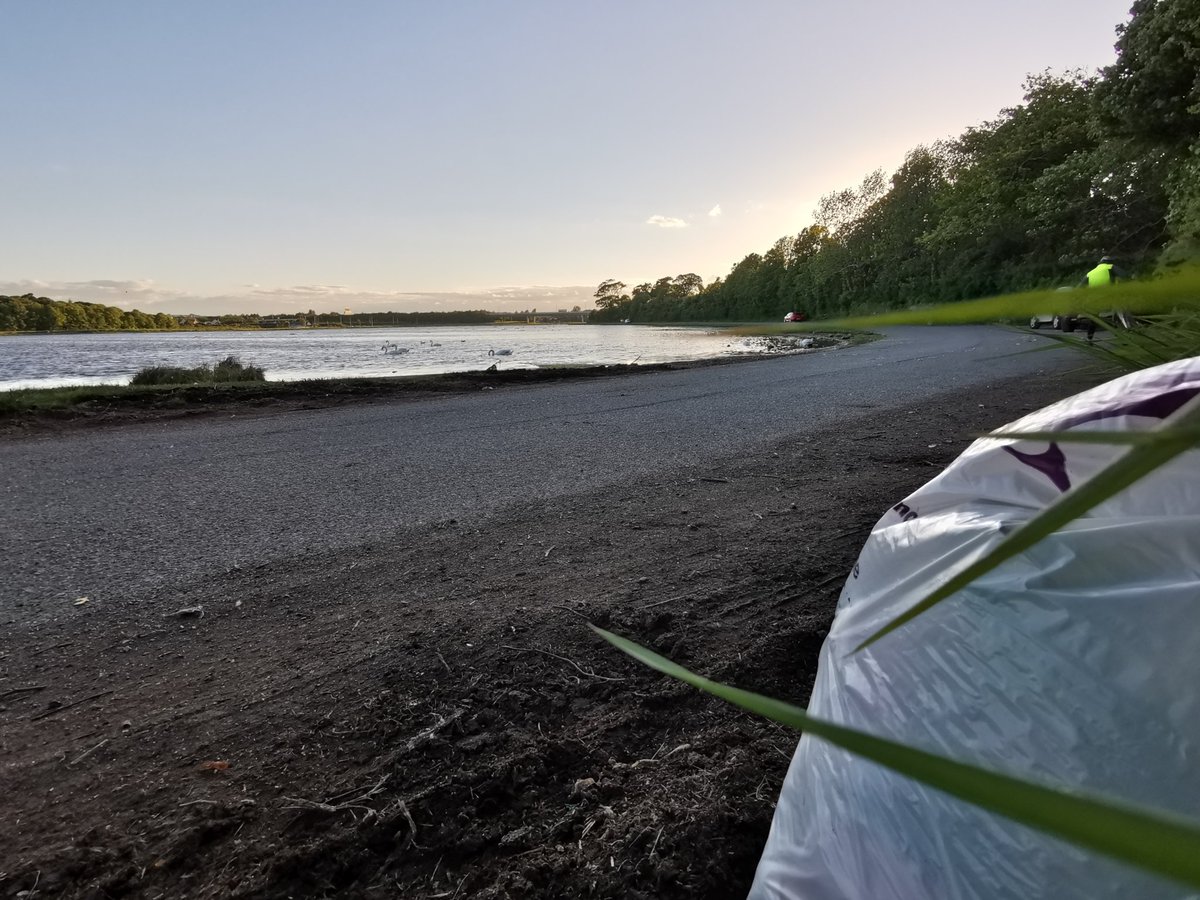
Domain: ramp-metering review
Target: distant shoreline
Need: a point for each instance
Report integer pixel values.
(203, 329)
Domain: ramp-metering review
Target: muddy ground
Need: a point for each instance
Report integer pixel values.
(429, 717)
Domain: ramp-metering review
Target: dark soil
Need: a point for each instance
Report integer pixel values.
(431, 718)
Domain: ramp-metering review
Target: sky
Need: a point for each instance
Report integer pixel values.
(284, 155)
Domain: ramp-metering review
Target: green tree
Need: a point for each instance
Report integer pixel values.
(839, 210)
(886, 265)
(138, 320)
(7, 317)
(687, 285)
(1183, 213)
(743, 288)
(1022, 188)
(1151, 95)
(46, 316)
(16, 313)
(610, 294)
(1152, 91)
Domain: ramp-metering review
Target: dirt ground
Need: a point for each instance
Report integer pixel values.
(431, 718)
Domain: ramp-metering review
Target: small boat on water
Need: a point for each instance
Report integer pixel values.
(392, 349)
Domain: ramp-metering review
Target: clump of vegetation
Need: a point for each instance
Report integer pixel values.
(227, 371)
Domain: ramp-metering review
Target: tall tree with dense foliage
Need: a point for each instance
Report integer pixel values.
(1152, 91)
(1151, 96)
(610, 294)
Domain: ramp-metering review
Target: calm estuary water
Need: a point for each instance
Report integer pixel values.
(287, 355)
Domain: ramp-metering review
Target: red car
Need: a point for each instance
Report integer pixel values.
(795, 317)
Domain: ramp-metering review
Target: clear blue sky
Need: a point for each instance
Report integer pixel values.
(263, 155)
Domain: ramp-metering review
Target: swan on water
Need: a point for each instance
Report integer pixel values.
(499, 353)
(393, 349)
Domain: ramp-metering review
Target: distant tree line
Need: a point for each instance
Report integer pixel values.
(350, 320)
(377, 319)
(30, 313)
(1087, 165)
(400, 319)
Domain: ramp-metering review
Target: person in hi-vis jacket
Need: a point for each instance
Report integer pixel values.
(1105, 273)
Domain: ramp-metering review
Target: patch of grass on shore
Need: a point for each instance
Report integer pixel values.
(25, 400)
(230, 370)
(155, 385)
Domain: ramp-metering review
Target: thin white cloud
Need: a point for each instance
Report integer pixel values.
(304, 290)
(666, 222)
(128, 294)
(715, 211)
(499, 299)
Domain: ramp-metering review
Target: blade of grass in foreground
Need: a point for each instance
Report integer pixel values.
(1179, 290)
(1175, 435)
(1157, 842)
(1110, 438)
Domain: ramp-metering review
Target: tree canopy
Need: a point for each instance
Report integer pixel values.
(30, 313)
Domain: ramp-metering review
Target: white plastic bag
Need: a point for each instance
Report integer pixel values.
(1077, 664)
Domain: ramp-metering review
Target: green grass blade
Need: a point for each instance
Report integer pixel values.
(1120, 438)
(1156, 842)
(1043, 348)
(1097, 350)
(1139, 461)
(1179, 290)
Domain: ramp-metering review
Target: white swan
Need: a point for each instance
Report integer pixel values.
(499, 353)
(393, 349)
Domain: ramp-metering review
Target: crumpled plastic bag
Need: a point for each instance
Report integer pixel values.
(1076, 664)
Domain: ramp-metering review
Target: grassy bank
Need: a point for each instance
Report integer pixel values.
(181, 395)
